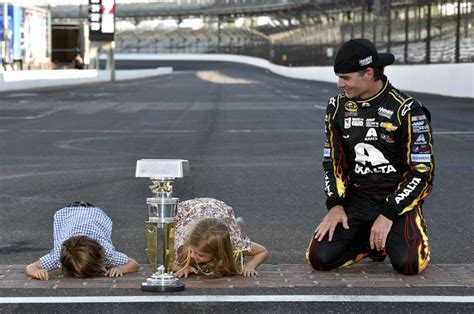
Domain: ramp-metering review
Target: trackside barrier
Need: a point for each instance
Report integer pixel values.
(19, 80)
(455, 80)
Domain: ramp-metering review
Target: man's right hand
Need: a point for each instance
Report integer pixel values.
(333, 217)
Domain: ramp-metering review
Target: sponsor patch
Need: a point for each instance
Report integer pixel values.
(418, 118)
(385, 169)
(327, 152)
(407, 191)
(350, 106)
(386, 138)
(371, 135)
(425, 149)
(332, 102)
(371, 160)
(347, 123)
(357, 122)
(365, 104)
(388, 126)
(420, 157)
(421, 149)
(396, 93)
(420, 140)
(350, 114)
(385, 112)
(365, 61)
(327, 185)
(422, 168)
(420, 129)
(371, 123)
(418, 123)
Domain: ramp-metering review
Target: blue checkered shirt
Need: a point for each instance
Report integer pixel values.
(82, 221)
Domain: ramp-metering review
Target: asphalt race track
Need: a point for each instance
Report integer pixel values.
(253, 139)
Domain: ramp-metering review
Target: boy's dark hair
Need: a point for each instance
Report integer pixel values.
(82, 256)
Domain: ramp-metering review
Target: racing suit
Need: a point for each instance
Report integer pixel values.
(378, 159)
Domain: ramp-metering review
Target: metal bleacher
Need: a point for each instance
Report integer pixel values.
(177, 8)
(300, 32)
(206, 40)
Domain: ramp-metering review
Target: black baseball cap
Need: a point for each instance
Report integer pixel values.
(358, 54)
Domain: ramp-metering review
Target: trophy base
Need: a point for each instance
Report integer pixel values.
(162, 282)
(177, 287)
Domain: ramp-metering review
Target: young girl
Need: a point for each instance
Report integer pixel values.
(82, 246)
(208, 241)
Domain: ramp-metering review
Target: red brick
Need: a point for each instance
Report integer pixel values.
(284, 275)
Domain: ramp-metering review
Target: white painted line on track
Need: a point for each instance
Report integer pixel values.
(241, 299)
(453, 132)
(274, 131)
(42, 115)
(107, 131)
(169, 131)
(195, 131)
(320, 107)
(22, 95)
(56, 172)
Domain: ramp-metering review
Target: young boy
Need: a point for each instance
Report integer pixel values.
(82, 246)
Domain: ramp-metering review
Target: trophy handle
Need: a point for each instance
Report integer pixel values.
(152, 239)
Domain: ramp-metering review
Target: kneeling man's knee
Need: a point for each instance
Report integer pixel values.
(409, 264)
(320, 256)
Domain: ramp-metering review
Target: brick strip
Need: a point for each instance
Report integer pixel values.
(365, 274)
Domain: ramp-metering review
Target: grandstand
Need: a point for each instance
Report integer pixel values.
(297, 32)
(206, 40)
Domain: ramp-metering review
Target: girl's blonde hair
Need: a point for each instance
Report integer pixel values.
(82, 256)
(212, 237)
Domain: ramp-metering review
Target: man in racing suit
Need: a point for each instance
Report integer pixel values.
(378, 168)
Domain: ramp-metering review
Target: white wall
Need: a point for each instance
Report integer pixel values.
(455, 80)
(19, 80)
(441, 79)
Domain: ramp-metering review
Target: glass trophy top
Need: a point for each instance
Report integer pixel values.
(162, 169)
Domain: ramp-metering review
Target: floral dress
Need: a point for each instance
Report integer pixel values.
(195, 209)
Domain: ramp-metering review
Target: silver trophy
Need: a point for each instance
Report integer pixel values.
(161, 215)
